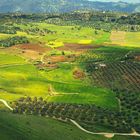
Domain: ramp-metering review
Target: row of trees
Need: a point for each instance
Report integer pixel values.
(121, 18)
(97, 20)
(86, 115)
(121, 75)
(8, 29)
(100, 21)
(98, 25)
(13, 41)
(39, 31)
(108, 17)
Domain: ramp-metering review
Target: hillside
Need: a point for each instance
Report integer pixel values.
(14, 127)
(35, 6)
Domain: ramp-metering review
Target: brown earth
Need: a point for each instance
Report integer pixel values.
(33, 47)
(137, 58)
(29, 54)
(50, 66)
(76, 47)
(78, 74)
(57, 59)
(31, 51)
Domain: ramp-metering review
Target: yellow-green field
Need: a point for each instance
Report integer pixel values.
(23, 79)
(64, 34)
(74, 34)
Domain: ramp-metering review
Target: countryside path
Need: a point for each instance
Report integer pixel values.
(6, 104)
(108, 135)
(52, 92)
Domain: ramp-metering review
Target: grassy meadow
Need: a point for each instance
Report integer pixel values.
(26, 80)
(68, 34)
(73, 34)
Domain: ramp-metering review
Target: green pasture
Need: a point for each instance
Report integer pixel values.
(8, 59)
(72, 34)
(64, 34)
(63, 74)
(27, 80)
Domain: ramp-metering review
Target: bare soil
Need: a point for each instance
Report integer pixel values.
(79, 74)
(76, 47)
(57, 59)
(33, 47)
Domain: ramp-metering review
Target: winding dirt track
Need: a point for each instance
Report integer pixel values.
(108, 135)
(6, 104)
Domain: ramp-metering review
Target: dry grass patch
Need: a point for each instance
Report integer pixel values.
(118, 37)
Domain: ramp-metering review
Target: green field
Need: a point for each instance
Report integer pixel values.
(72, 34)
(7, 59)
(26, 80)
(65, 34)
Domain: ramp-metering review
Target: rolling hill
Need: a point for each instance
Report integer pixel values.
(42, 6)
